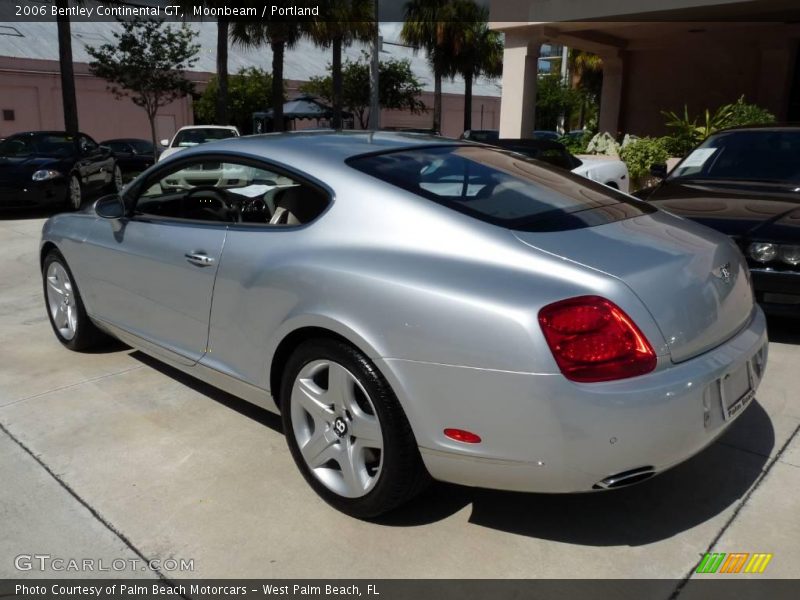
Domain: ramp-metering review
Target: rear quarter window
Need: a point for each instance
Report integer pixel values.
(500, 187)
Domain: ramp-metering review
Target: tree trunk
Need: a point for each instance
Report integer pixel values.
(277, 86)
(437, 102)
(222, 71)
(68, 100)
(336, 77)
(467, 102)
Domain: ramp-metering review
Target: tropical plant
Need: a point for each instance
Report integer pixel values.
(147, 62)
(479, 51)
(586, 71)
(342, 22)
(429, 25)
(398, 88)
(279, 35)
(603, 143)
(247, 92)
(689, 131)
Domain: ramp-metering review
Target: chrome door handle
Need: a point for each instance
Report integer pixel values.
(199, 259)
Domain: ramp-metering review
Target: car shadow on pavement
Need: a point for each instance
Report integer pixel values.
(243, 407)
(674, 501)
(659, 508)
(784, 330)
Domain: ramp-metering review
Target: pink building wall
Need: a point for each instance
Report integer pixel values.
(32, 89)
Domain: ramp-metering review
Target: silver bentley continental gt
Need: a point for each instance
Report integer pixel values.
(419, 308)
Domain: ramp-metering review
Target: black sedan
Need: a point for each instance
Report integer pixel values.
(746, 183)
(133, 155)
(52, 168)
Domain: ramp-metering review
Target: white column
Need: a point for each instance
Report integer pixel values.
(520, 70)
(611, 95)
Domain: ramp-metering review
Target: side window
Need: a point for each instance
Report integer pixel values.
(87, 145)
(229, 192)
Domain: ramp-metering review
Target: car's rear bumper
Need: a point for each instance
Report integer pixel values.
(778, 292)
(543, 433)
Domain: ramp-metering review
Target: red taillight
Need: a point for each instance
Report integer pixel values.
(592, 339)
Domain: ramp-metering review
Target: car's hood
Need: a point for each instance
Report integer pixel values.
(12, 167)
(692, 280)
(747, 211)
(169, 152)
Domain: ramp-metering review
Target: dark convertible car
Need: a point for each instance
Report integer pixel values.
(51, 168)
(133, 155)
(746, 183)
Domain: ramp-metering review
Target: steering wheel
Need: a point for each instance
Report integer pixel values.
(222, 205)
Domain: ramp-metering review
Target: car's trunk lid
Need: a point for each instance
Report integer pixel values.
(692, 279)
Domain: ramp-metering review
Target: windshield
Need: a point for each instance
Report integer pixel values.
(767, 155)
(193, 137)
(39, 144)
(502, 188)
(142, 147)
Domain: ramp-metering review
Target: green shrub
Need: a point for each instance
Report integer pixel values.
(639, 154)
(577, 145)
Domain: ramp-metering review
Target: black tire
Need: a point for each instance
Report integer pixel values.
(86, 334)
(402, 474)
(115, 185)
(74, 202)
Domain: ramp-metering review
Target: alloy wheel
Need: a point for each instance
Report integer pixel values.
(61, 301)
(336, 428)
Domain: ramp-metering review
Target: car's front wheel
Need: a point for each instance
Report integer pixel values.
(68, 317)
(347, 431)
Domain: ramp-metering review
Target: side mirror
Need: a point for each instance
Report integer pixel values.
(110, 207)
(659, 170)
(164, 143)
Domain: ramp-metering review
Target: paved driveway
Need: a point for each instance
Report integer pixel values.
(112, 455)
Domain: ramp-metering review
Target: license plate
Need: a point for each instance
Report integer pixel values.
(736, 391)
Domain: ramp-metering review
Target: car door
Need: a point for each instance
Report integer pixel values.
(152, 272)
(93, 164)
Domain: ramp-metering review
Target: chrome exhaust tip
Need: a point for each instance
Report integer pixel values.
(625, 478)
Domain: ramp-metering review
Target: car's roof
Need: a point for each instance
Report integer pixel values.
(127, 140)
(761, 127)
(207, 127)
(43, 132)
(325, 145)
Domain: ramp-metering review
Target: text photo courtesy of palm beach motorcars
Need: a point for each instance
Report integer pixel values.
(415, 291)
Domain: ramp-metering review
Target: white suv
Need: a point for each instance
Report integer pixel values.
(192, 135)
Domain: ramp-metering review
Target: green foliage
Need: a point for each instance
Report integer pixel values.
(688, 132)
(553, 99)
(248, 92)
(641, 153)
(577, 144)
(399, 89)
(147, 63)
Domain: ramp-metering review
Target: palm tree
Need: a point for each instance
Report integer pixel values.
(480, 50)
(223, 28)
(587, 76)
(430, 25)
(68, 98)
(280, 35)
(343, 22)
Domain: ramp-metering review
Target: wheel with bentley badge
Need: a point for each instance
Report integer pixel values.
(346, 430)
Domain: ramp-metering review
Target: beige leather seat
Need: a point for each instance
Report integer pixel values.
(297, 205)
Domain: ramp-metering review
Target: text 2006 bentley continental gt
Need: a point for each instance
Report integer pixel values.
(417, 307)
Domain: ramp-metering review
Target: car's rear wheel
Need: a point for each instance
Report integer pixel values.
(116, 183)
(347, 431)
(72, 326)
(74, 193)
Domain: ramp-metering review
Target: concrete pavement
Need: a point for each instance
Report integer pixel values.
(133, 459)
